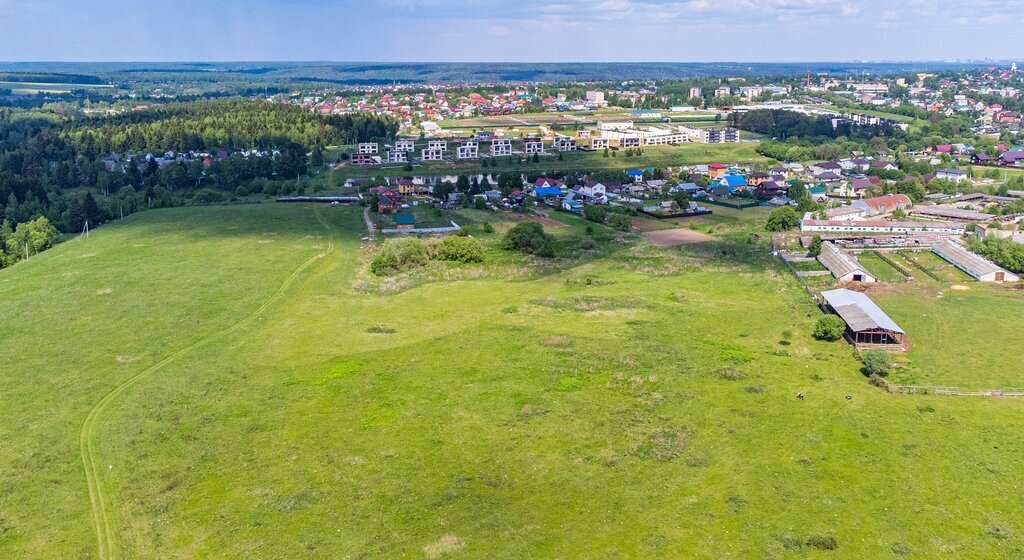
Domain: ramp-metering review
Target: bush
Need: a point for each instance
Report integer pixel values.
(459, 249)
(488, 228)
(877, 362)
(594, 214)
(620, 222)
(829, 327)
(398, 255)
(529, 237)
(782, 219)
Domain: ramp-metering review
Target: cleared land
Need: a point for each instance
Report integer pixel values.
(673, 237)
(626, 401)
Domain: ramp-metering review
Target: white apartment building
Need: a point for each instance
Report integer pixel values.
(501, 147)
(368, 147)
(431, 154)
(398, 156)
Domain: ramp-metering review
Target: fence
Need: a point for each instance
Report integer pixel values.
(951, 391)
(730, 204)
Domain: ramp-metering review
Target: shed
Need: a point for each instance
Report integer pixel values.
(844, 266)
(867, 325)
(980, 268)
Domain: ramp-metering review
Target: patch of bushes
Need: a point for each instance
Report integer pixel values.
(529, 238)
(877, 363)
(830, 328)
(380, 329)
(459, 249)
(621, 222)
(400, 255)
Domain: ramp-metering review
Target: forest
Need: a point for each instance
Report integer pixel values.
(56, 167)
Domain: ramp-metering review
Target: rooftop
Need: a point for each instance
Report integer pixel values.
(859, 312)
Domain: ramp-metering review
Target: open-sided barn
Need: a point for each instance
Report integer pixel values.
(867, 325)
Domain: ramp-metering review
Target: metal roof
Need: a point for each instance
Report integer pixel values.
(859, 312)
(972, 264)
(839, 262)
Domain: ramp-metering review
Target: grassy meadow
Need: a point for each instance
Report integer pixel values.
(271, 399)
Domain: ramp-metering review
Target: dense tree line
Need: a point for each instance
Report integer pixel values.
(223, 124)
(52, 166)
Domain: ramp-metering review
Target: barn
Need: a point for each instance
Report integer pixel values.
(867, 326)
(978, 267)
(843, 265)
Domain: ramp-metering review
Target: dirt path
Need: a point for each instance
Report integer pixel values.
(673, 237)
(369, 223)
(105, 532)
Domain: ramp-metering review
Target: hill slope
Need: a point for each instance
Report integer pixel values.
(633, 407)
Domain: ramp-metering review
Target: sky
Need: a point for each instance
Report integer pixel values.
(510, 30)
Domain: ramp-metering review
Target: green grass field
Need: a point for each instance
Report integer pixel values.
(882, 270)
(236, 386)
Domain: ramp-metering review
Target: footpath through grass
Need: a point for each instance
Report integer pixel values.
(637, 405)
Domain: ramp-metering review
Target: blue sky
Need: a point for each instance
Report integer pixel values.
(510, 30)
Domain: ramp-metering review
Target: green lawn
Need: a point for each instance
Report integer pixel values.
(880, 269)
(968, 339)
(634, 403)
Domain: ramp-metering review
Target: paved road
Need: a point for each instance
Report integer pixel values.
(369, 223)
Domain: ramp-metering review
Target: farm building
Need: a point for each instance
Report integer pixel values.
(868, 227)
(981, 269)
(867, 326)
(843, 265)
(948, 213)
(884, 204)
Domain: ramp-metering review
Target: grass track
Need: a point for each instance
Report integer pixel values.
(101, 521)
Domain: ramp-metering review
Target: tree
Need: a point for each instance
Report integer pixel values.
(462, 184)
(877, 362)
(529, 238)
(316, 159)
(782, 219)
(37, 235)
(830, 328)
(814, 249)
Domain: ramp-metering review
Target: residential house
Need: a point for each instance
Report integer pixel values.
(468, 151)
(952, 175)
(368, 147)
(533, 146)
(405, 145)
(501, 147)
(431, 154)
(398, 156)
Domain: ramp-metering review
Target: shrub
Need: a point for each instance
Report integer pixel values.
(877, 362)
(829, 327)
(488, 228)
(529, 237)
(398, 255)
(595, 214)
(822, 542)
(620, 222)
(460, 249)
